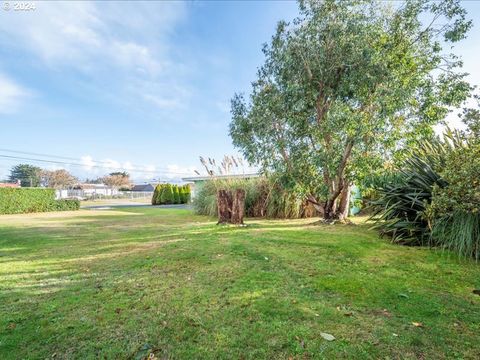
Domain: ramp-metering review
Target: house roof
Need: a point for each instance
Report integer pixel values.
(143, 187)
(9, 185)
(232, 176)
(91, 186)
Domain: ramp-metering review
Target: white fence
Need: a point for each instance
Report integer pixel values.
(102, 194)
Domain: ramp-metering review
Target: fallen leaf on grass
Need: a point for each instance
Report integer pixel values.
(417, 324)
(386, 313)
(328, 337)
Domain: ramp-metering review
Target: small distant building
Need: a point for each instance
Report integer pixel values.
(10, 185)
(196, 182)
(144, 187)
(96, 189)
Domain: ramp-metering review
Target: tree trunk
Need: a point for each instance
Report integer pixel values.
(338, 208)
(224, 205)
(329, 210)
(344, 204)
(238, 207)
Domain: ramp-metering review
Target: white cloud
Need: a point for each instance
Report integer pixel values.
(138, 173)
(177, 172)
(123, 49)
(11, 95)
(87, 163)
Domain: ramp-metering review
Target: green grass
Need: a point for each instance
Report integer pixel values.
(120, 284)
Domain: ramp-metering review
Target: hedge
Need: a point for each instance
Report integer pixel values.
(67, 205)
(29, 200)
(166, 194)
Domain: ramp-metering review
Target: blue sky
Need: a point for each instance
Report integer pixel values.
(139, 85)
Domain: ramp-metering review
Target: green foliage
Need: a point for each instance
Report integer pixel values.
(186, 193)
(67, 205)
(162, 188)
(263, 198)
(462, 174)
(401, 207)
(176, 195)
(434, 199)
(455, 208)
(346, 84)
(166, 194)
(155, 195)
(459, 232)
(29, 175)
(29, 200)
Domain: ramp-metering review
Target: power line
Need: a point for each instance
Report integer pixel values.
(135, 166)
(92, 166)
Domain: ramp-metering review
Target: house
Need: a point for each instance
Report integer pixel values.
(95, 189)
(196, 182)
(10, 185)
(144, 187)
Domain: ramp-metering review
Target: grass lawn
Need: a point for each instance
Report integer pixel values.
(120, 284)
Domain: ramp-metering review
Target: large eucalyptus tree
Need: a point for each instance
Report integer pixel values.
(346, 84)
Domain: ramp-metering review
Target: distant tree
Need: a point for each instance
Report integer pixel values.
(58, 179)
(28, 175)
(121, 173)
(117, 180)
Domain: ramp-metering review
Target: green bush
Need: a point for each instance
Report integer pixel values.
(263, 198)
(155, 195)
(186, 194)
(166, 196)
(176, 195)
(400, 208)
(67, 205)
(434, 199)
(161, 189)
(29, 200)
(455, 208)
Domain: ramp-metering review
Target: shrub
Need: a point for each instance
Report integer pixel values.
(264, 198)
(176, 195)
(29, 200)
(435, 198)
(456, 206)
(186, 194)
(161, 189)
(166, 196)
(67, 205)
(155, 195)
(400, 209)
